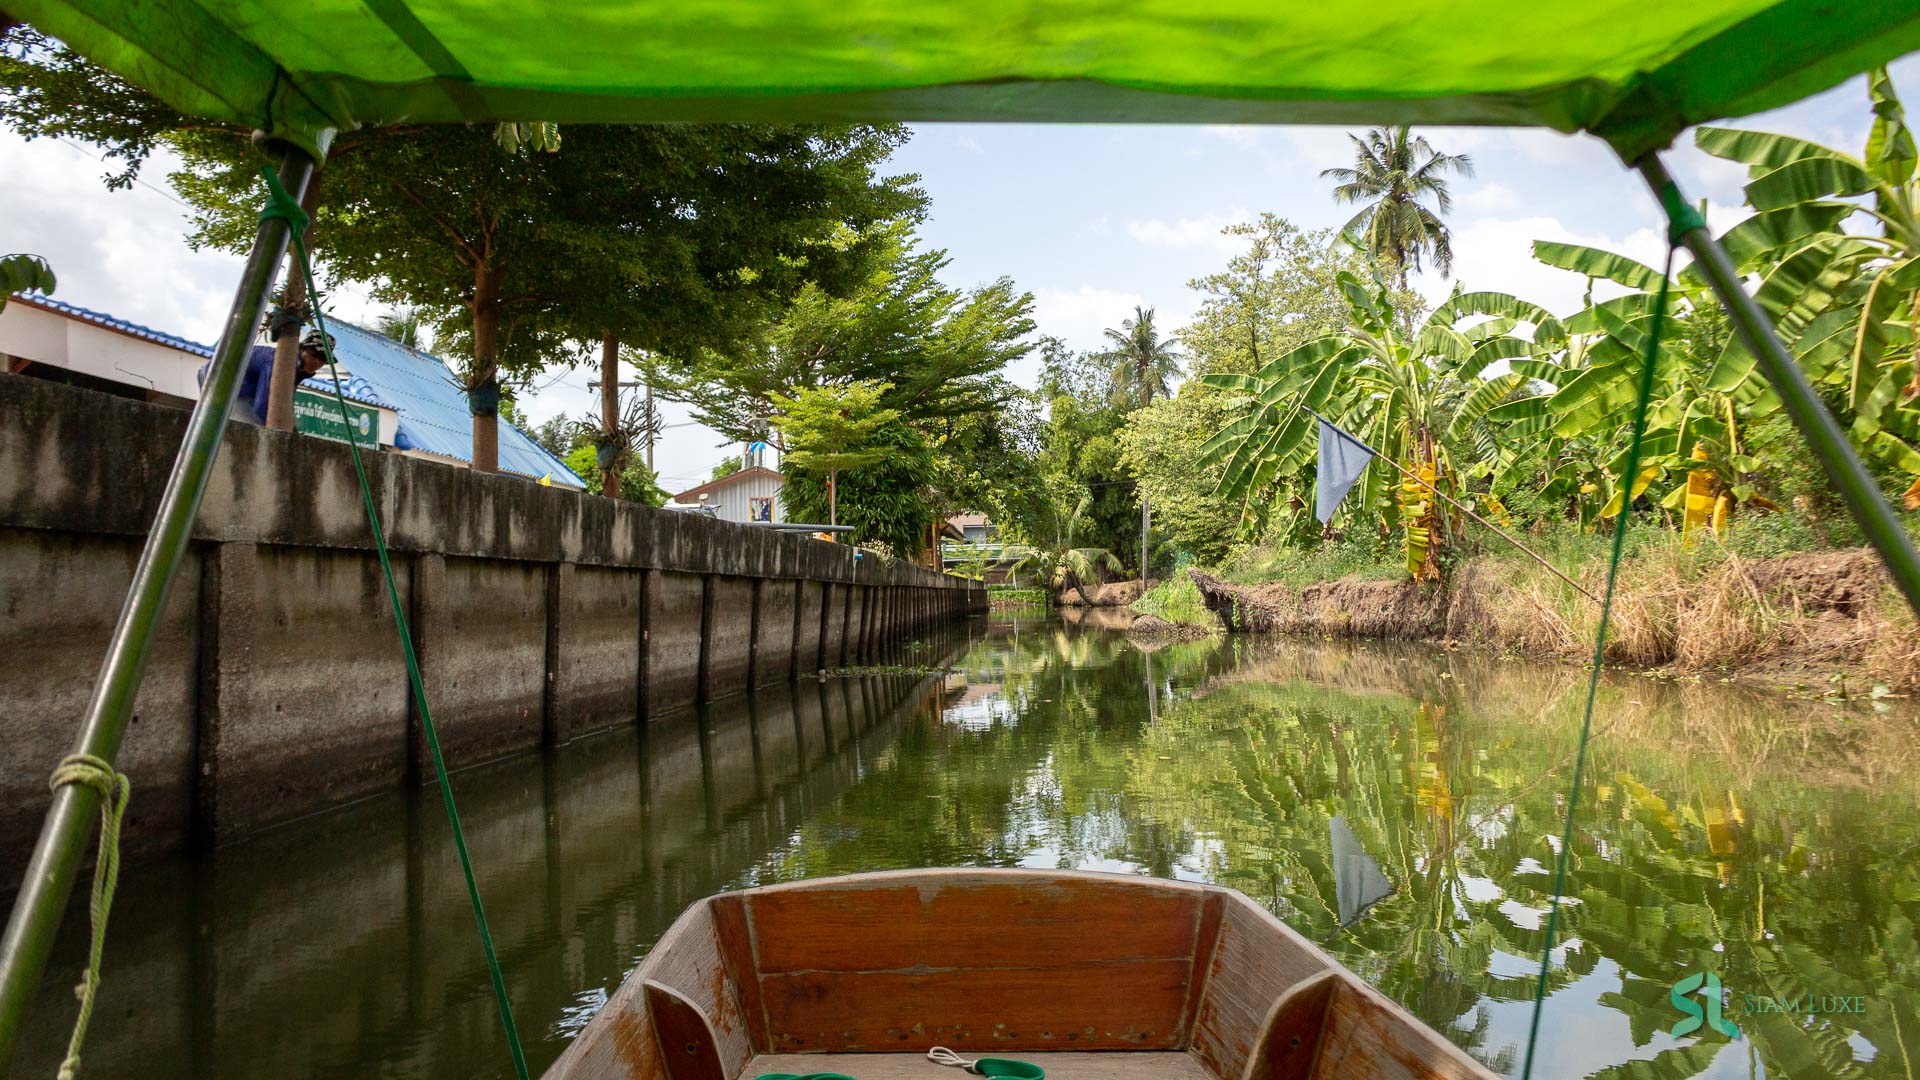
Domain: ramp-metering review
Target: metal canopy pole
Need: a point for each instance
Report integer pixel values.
(1857, 489)
(74, 816)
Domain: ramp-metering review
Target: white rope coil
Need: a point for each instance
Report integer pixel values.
(940, 1055)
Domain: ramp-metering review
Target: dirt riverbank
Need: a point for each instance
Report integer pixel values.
(1799, 619)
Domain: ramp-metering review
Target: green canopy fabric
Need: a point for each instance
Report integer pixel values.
(1633, 72)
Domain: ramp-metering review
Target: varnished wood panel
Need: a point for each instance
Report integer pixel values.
(971, 921)
(1256, 960)
(736, 951)
(1287, 1048)
(1212, 910)
(1059, 1066)
(1131, 1005)
(620, 1043)
(686, 1043)
(1368, 1035)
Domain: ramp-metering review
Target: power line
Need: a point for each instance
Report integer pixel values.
(163, 193)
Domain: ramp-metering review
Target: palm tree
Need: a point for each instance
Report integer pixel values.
(1393, 170)
(402, 326)
(1142, 365)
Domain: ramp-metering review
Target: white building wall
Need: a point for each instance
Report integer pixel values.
(731, 501)
(57, 341)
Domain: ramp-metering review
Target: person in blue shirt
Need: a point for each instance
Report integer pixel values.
(256, 383)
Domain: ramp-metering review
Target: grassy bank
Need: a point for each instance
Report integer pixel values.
(1771, 604)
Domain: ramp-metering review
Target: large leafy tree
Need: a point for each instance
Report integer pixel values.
(1280, 292)
(1079, 458)
(939, 349)
(830, 429)
(672, 237)
(1393, 171)
(702, 256)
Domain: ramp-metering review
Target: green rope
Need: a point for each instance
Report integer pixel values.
(1005, 1068)
(282, 205)
(115, 789)
(1656, 325)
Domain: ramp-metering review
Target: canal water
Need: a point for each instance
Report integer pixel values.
(1400, 806)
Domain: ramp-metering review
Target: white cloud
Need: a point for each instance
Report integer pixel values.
(1495, 254)
(1196, 232)
(122, 252)
(1492, 197)
(1078, 316)
(968, 143)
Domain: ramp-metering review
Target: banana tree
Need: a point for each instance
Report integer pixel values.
(1693, 426)
(1836, 239)
(1420, 398)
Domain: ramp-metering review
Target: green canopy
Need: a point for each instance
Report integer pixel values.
(1631, 71)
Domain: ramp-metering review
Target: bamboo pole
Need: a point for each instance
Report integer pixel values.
(1829, 444)
(74, 814)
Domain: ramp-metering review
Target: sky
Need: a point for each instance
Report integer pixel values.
(1092, 219)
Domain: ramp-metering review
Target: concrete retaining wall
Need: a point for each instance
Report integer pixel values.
(277, 687)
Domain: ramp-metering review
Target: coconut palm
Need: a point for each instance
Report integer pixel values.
(1393, 170)
(402, 326)
(1143, 365)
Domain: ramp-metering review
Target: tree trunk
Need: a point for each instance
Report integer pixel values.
(833, 500)
(486, 358)
(610, 411)
(286, 347)
(1073, 579)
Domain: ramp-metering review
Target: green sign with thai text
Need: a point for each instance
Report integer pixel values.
(318, 413)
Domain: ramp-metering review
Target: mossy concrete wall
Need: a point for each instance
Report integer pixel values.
(276, 686)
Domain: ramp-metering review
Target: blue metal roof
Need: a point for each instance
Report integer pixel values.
(432, 407)
(101, 318)
(353, 388)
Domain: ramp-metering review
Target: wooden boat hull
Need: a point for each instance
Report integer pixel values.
(1076, 971)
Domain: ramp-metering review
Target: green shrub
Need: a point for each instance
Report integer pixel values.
(1178, 601)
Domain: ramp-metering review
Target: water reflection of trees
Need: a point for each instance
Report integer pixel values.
(1230, 760)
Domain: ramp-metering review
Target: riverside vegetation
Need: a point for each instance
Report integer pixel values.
(1740, 558)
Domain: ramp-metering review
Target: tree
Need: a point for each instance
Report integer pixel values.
(833, 428)
(1414, 397)
(939, 349)
(401, 326)
(1079, 456)
(721, 230)
(1844, 297)
(633, 483)
(1278, 294)
(1393, 170)
(1143, 364)
(24, 273)
(672, 236)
